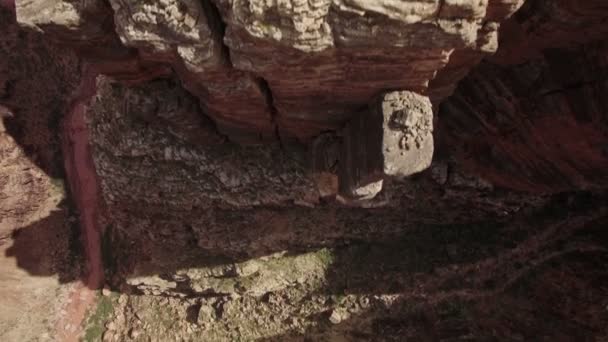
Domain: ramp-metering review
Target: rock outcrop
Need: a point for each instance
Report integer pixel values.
(394, 139)
(344, 96)
(175, 190)
(293, 67)
(533, 117)
(271, 169)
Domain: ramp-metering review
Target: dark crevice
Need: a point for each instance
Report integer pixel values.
(192, 313)
(109, 258)
(108, 24)
(267, 91)
(277, 134)
(9, 90)
(440, 8)
(218, 28)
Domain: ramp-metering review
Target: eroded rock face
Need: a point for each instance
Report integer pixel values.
(265, 70)
(178, 196)
(541, 25)
(256, 65)
(533, 117)
(188, 36)
(394, 139)
(269, 169)
(325, 49)
(32, 109)
(170, 29)
(552, 138)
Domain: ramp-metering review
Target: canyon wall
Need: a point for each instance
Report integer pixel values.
(532, 117)
(232, 157)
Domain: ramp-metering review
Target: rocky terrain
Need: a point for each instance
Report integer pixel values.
(303, 170)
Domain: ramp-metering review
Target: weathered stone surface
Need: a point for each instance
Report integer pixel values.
(174, 132)
(325, 48)
(394, 139)
(407, 139)
(532, 117)
(301, 67)
(340, 53)
(39, 247)
(71, 20)
(254, 277)
(167, 29)
(462, 60)
(501, 9)
(539, 126)
(87, 27)
(176, 200)
(220, 241)
(34, 106)
(541, 25)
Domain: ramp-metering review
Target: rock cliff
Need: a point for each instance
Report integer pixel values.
(321, 169)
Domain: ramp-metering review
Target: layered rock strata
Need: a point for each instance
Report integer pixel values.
(533, 117)
(299, 68)
(273, 169)
(180, 195)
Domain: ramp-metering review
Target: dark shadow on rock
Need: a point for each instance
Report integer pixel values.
(390, 267)
(48, 247)
(431, 250)
(37, 79)
(382, 262)
(559, 296)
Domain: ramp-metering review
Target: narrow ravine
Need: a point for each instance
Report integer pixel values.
(82, 180)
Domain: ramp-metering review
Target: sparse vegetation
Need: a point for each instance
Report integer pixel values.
(58, 187)
(326, 256)
(97, 319)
